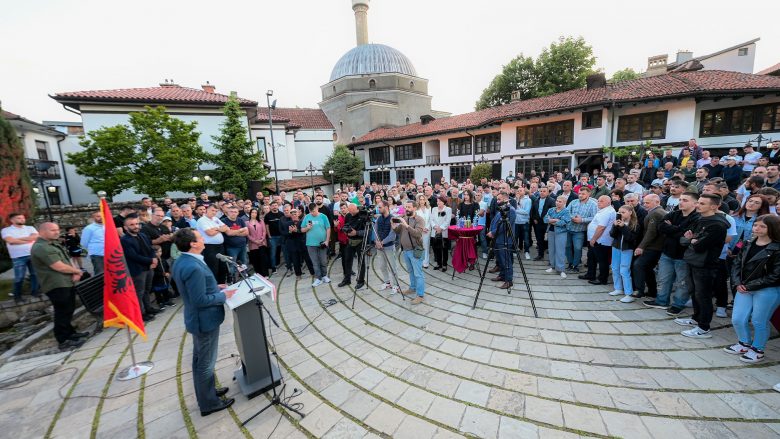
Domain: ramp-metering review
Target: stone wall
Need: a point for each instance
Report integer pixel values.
(77, 216)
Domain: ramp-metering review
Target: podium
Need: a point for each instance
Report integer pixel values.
(257, 373)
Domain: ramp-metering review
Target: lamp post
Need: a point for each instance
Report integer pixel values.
(310, 170)
(332, 184)
(268, 95)
(41, 168)
(760, 139)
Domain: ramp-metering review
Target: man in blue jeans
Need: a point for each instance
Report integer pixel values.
(503, 245)
(582, 211)
(235, 237)
(19, 238)
(410, 230)
(673, 272)
(272, 220)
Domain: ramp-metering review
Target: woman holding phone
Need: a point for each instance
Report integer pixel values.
(625, 234)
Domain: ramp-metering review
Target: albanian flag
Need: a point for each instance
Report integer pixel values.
(120, 303)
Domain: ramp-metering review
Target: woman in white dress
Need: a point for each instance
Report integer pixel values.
(424, 211)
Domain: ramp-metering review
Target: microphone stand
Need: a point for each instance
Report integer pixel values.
(275, 399)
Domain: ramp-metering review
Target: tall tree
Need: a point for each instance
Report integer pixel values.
(519, 75)
(347, 168)
(236, 160)
(625, 75)
(564, 65)
(154, 154)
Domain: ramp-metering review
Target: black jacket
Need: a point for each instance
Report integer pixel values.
(138, 253)
(761, 271)
(549, 203)
(710, 235)
(624, 238)
(674, 231)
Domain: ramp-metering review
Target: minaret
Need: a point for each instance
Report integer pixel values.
(361, 20)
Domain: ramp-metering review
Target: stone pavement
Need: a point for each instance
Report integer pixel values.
(588, 366)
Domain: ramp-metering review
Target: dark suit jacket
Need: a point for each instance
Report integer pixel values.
(139, 255)
(549, 203)
(203, 310)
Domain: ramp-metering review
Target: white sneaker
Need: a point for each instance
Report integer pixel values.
(776, 387)
(316, 283)
(484, 255)
(721, 312)
(616, 293)
(627, 299)
(527, 255)
(686, 322)
(751, 356)
(385, 286)
(563, 275)
(325, 279)
(549, 270)
(697, 332)
(736, 349)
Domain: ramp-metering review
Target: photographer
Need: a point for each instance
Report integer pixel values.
(410, 232)
(502, 244)
(385, 243)
(317, 228)
(354, 228)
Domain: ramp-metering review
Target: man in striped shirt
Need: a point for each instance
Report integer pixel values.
(582, 211)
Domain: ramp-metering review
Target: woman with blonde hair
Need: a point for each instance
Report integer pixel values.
(423, 209)
(625, 234)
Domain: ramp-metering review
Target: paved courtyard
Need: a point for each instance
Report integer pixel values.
(588, 366)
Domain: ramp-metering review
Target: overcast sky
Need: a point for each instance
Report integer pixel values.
(291, 46)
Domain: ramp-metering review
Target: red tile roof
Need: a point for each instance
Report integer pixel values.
(167, 94)
(306, 118)
(7, 115)
(769, 70)
(670, 85)
(299, 183)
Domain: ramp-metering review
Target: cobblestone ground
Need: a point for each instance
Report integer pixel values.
(589, 366)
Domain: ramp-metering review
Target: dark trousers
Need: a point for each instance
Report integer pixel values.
(143, 288)
(720, 287)
(441, 250)
(349, 256)
(600, 254)
(218, 268)
(294, 253)
(64, 302)
(541, 244)
(260, 259)
(702, 280)
(523, 237)
(643, 273)
(204, 358)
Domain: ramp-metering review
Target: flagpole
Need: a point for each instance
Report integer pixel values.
(135, 370)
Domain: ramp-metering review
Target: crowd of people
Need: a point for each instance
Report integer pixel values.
(674, 231)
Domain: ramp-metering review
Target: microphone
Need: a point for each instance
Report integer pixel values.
(225, 258)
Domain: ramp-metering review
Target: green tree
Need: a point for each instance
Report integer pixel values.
(564, 65)
(16, 193)
(625, 75)
(347, 169)
(519, 75)
(236, 161)
(154, 154)
(480, 171)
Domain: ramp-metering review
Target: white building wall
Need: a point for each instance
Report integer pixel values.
(731, 61)
(29, 138)
(680, 120)
(736, 141)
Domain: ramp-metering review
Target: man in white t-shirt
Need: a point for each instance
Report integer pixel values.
(600, 241)
(750, 161)
(19, 238)
(212, 229)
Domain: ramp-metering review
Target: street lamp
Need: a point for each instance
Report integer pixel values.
(310, 170)
(760, 139)
(332, 184)
(271, 106)
(41, 170)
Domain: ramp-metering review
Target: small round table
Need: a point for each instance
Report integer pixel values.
(465, 253)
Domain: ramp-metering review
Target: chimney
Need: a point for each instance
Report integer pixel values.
(656, 65)
(683, 55)
(168, 83)
(208, 88)
(361, 20)
(596, 80)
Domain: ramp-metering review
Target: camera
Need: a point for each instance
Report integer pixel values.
(347, 229)
(395, 220)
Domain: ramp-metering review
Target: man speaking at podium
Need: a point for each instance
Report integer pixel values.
(203, 313)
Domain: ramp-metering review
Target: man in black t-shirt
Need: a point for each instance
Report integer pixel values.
(159, 234)
(271, 220)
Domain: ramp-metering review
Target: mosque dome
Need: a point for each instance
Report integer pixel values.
(372, 58)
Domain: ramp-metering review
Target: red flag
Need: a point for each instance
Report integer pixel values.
(120, 303)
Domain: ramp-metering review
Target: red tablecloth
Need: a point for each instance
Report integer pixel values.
(465, 253)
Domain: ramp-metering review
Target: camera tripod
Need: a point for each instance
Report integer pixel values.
(365, 251)
(504, 222)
